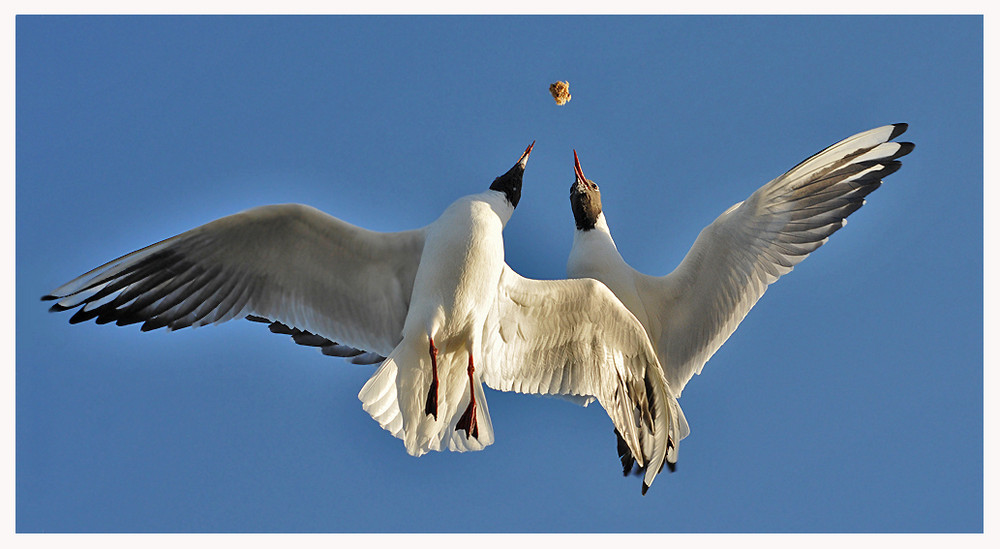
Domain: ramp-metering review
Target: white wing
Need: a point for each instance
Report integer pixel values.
(751, 244)
(574, 337)
(290, 263)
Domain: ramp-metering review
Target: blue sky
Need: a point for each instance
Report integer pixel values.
(849, 400)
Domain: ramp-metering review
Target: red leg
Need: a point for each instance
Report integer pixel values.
(431, 408)
(468, 420)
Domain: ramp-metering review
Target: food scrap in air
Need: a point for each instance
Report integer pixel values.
(560, 92)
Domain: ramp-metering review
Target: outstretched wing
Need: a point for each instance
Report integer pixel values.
(751, 244)
(288, 263)
(574, 337)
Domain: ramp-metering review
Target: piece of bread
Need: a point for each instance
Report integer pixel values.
(560, 92)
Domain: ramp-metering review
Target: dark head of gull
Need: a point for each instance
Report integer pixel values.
(510, 183)
(585, 198)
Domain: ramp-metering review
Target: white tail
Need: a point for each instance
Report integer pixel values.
(378, 398)
(396, 397)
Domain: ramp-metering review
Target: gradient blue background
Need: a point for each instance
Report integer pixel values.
(850, 400)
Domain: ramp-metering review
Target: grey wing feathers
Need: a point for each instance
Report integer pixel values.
(753, 243)
(288, 263)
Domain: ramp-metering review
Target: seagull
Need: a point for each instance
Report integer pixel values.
(689, 313)
(437, 307)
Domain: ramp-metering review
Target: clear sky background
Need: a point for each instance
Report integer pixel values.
(850, 399)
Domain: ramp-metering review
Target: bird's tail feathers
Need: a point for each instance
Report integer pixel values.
(457, 439)
(378, 397)
(396, 396)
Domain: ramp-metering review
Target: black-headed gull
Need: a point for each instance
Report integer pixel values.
(439, 303)
(690, 312)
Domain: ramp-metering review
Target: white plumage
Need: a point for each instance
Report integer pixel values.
(689, 313)
(439, 304)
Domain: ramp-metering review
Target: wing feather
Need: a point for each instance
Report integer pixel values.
(288, 263)
(574, 337)
(755, 242)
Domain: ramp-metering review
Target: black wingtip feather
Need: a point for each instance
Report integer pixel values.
(48, 297)
(152, 324)
(890, 168)
(672, 467)
(125, 320)
(83, 315)
(905, 148)
(624, 454)
(898, 130)
(645, 488)
(57, 308)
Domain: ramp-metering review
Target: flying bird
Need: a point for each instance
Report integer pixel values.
(437, 307)
(689, 313)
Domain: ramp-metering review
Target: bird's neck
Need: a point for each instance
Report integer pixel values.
(498, 202)
(601, 229)
(595, 243)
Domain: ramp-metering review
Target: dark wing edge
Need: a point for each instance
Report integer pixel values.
(327, 347)
(348, 284)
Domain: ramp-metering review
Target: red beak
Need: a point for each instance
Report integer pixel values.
(577, 168)
(524, 157)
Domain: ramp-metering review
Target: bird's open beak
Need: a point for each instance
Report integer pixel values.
(577, 168)
(523, 161)
(579, 187)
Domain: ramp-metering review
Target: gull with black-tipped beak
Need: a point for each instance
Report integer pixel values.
(689, 313)
(437, 306)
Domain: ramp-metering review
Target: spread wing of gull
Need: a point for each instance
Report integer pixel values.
(318, 278)
(574, 337)
(735, 258)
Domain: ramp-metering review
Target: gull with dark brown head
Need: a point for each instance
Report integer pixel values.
(689, 313)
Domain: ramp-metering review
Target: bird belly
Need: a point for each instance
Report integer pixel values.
(457, 278)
